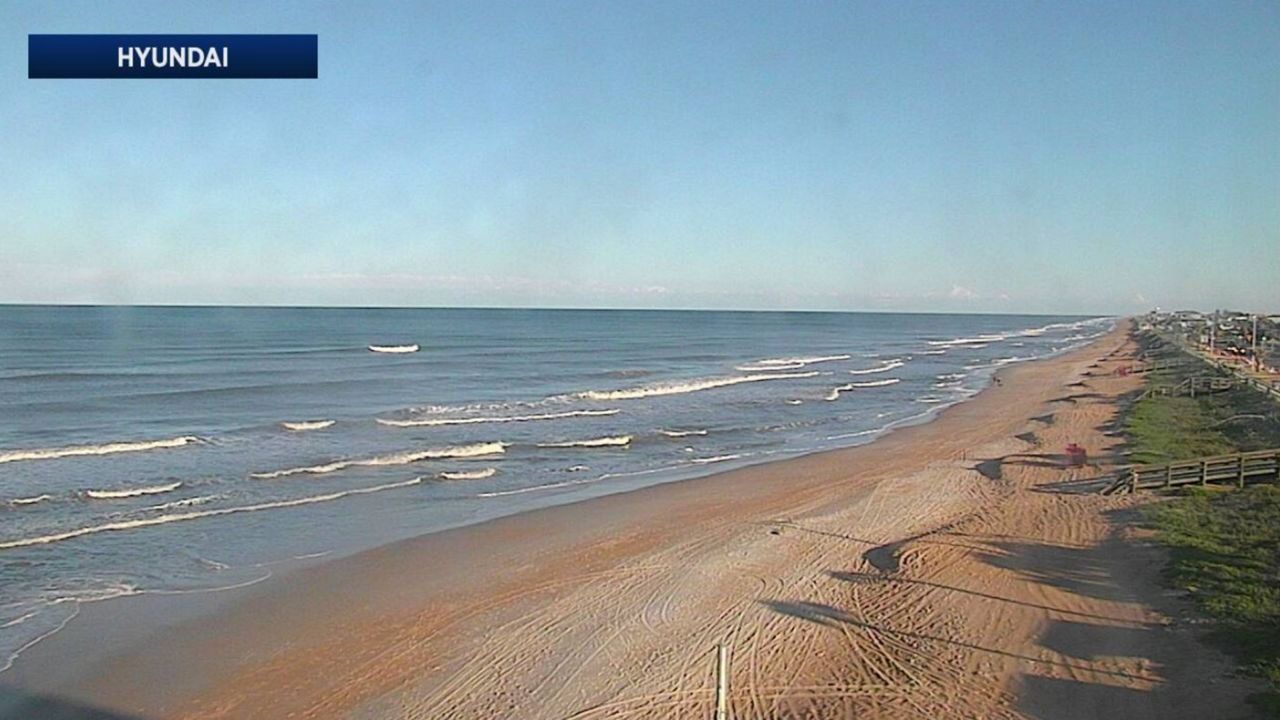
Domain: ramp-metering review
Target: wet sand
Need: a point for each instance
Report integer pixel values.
(952, 569)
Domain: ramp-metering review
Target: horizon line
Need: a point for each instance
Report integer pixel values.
(553, 309)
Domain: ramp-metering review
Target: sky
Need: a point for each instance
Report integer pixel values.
(908, 156)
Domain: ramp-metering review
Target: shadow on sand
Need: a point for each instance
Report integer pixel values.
(1087, 664)
(16, 704)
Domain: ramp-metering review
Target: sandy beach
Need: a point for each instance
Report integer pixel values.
(951, 569)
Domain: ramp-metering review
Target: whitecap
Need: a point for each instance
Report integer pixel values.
(534, 488)
(434, 422)
(978, 341)
(133, 492)
(304, 425)
(876, 383)
(469, 474)
(614, 441)
(459, 451)
(179, 517)
(714, 459)
(789, 363)
(31, 500)
(104, 449)
(688, 387)
(835, 392)
(394, 349)
(682, 433)
(885, 366)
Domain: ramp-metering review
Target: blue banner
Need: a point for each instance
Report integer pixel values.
(171, 56)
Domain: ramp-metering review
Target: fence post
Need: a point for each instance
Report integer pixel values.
(1240, 475)
(1168, 475)
(722, 682)
(1204, 472)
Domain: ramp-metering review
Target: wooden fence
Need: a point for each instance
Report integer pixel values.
(1199, 384)
(1237, 469)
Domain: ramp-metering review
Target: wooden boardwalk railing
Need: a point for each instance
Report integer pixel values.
(1197, 384)
(1237, 469)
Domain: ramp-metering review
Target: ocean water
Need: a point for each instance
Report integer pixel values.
(185, 450)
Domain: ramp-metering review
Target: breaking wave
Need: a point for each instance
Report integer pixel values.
(789, 363)
(682, 433)
(535, 488)
(395, 349)
(714, 459)
(179, 517)
(835, 392)
(133, 492)
(106, 449)
(885, 366)
(469, 474)
(459, 451)
(307, 425)
(31, 500)
(616, 441)
(876, 383)
(434, 422)
(184, 503)
(687, 387)
(976, 341)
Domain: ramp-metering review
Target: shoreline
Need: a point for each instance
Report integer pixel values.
(47, 668)
(643, 574)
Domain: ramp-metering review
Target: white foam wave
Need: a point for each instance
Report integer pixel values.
(105, 449)
(31, 500)
(459, 451)
(885, 366)
(835, 392)
(534, 488)
(795, 402)
(980, 340)
(394, 349)
(877, 383)
(688, 387)
(469, 474)
(179, 517)
(714, 459)
(133, 492)
(934, 352)
(305, 425)
(789, 363)
(860, 433)
(615, 441)
(682, 433)
(184, 503)
(434, 422)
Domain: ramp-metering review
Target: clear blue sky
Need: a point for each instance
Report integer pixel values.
(950, 156)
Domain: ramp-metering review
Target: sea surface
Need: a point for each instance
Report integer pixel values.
(187, 450)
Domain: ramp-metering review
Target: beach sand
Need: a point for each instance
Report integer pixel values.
(948, 570)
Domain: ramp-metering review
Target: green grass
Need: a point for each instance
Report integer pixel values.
(1224, 543)
(1165, 429)
(1225, 548)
